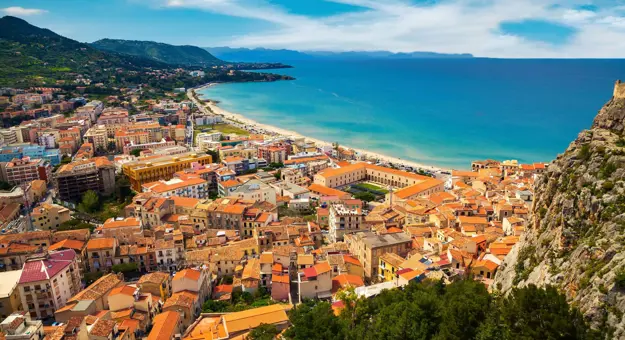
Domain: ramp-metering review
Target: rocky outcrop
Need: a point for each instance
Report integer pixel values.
(576, 234)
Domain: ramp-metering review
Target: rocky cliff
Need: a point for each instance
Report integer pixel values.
(575, 239)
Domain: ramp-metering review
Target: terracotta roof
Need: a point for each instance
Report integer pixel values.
(68, 244)
(325, 191)
(165, 326)
(418, 188)
(98, 288)
(154, 277)
(102, 328)
(280, 278)
(184, 298)
(252, 318)
(100, 243)
(191, 274)
(266, 257)
(123, 290)
(344, 280)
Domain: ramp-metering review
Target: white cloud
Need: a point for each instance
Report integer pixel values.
(22, 12)
(448, 26)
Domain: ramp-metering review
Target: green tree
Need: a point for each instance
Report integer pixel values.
(90, 201)
(365, 196)
(213, 306)
(66, 160)
(136, 152)
(464, 305)
(312, 320)
(264, 332)
(278, 174)
(535, 313)
(125, 267)
(5, 186)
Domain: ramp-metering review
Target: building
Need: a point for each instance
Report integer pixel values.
(20, 326)
(410, 185)
(48, 282)
(166, 325)
(97, 135)
(10, 301)
(90, 111)
(49, 216)
(237, 325)
(74, 179)
(368, 247)
(91, 299)
(343, 220)
(255, 190)
(25, 170)
(163, 167)
(113, 119)
(273, 153)
(33, 151)
(315, 282)
(193, 280)
(100, 253)
(191, 187)
(149, 146)
(156, 283)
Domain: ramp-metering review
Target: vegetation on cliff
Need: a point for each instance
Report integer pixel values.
(170, 54)
(431, 310)
(576, 236)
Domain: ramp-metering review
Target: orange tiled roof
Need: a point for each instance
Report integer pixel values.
(100, 243)
(191, 274)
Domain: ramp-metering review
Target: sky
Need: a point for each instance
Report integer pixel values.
(486, 28)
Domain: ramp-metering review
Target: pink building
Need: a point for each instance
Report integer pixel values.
(280, 287)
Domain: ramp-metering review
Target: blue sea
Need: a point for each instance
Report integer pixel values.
(444, 112)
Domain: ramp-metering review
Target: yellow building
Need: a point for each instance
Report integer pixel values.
(49, 216)
(389, 265)
(410, 185)
(151, 169)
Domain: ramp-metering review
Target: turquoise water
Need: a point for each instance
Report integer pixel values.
(442, 112)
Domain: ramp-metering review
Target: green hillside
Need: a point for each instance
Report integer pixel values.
(180, 55)
(31, 55)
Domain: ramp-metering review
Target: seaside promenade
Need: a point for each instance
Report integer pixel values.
(254, 127)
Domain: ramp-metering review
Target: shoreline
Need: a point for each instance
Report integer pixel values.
(254, 126)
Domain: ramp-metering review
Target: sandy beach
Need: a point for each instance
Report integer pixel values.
(254, 126)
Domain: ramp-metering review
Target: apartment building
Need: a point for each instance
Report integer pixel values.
(100, 253)
(343, 220)
(21, 326)
(163, 143)
(124, 138)
(169, 257)
(257, 191)
(98, 136)
(161, 167)
(156, 283)
(368, 247)
(10, 300)
(90, 111)
(190, 187)
(48, 281)
(74, 179)
(274, 153)
(240, 150)
(49, 216)
(113, 118)
(25, 170)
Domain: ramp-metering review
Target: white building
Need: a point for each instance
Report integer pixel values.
(48, 281)
(256, 190)
(343, 220)
(20, 326)
(168, 258)
(208, 119)
(192, 187)
(48, 140)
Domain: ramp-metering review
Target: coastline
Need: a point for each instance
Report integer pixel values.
(253, 126)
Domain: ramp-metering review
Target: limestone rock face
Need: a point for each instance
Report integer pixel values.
(575, 239)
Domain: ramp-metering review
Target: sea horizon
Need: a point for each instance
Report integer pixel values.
(439, 112)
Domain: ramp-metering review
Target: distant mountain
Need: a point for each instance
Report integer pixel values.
(171, 54)
(264, 55)
(33, 55)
